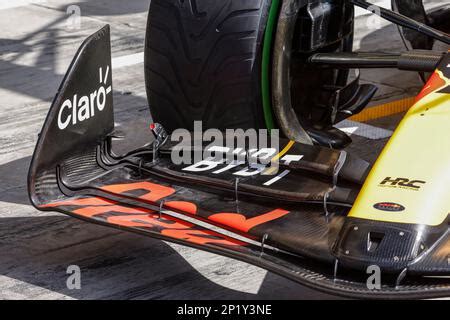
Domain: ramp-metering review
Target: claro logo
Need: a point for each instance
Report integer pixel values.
(79, 109)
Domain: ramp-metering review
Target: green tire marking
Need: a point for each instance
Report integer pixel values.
(267, 63)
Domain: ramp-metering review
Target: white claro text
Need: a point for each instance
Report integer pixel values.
(78, 109)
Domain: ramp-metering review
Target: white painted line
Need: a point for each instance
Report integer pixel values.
(279, 177)
(364, 130)
(128, 60)
(9, 4)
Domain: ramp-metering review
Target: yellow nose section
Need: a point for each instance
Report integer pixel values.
(410, 182)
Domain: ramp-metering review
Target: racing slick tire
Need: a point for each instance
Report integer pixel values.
(203, 63)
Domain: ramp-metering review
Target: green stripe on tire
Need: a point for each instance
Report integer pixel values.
(267, 63)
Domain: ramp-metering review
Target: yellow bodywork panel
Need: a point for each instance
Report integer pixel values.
(410, 182)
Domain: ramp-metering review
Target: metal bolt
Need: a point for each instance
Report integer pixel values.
(347, 252)
(356, 228)
(402, 234)
(396, 259)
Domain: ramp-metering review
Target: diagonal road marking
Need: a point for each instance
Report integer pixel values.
(364, 130)
(128, 60)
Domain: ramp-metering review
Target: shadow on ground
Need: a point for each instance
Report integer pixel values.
(13, 181)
